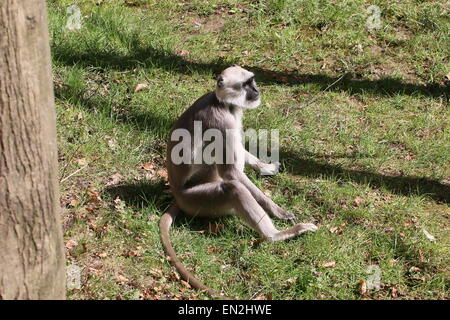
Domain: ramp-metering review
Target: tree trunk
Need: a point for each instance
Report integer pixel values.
(32, 263)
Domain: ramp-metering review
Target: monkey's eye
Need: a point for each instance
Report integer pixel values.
(249, 81)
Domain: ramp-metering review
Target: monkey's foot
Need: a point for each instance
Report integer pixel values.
(293, 231)
(303, 227)
(270, 169)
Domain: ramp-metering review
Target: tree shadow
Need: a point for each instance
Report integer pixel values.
(144, 121)
(148, 56)
(304, 165)
(142, 194)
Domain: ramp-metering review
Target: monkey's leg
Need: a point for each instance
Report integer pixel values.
(232, 194)
(229, 172)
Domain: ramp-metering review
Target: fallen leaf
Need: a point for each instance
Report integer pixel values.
(358, 201)
(162, 173)
(213, 249)
(175, 276)
(74, 203)
(414, 269)
(337, 230)
(71, 244)
(131, 253)
(114, 179)
(140, 86)
(119, 204)
(186, 284)
(330, 264)
(260, 296)
(428, 235)
(148, 166)
(102, 255)
(94, 195)
(291, 281)
(81, 162)
(183, 53)
(121, 279)
(362, 287)
(112, 144)
(447, 76)
(394, 292)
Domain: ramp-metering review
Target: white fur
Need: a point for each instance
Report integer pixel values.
(228, 95)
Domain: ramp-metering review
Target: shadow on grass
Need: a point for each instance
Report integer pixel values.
(304, 165)
(144, 121)
(141, 195)
(152, 57)
(144, 194)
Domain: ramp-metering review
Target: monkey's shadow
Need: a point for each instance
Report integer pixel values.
(156, 194)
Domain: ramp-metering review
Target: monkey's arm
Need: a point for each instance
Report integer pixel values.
(266, 169)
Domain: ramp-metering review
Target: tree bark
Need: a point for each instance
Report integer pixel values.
(32, 263)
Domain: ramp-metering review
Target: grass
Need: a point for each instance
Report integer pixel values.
(363, 119)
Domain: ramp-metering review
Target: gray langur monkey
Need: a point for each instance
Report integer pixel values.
(223, 189)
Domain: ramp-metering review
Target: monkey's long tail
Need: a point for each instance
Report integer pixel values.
(164, 226)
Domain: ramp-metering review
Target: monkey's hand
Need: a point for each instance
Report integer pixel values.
(282, 214)
(270, 169)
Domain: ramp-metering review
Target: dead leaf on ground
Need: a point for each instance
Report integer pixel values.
(183, 53)
(162, 173)
(112, 144)
(119, 204)
(131, 253)
(94, 195)
(81, 162)
(262, 296)
(74, 203)
(148, 166)
(362, 287)
(213, 249)
(140, 86)
(330, 264)
(121, 279)
(102, 254)
(71, 244)
(185, 283)
(358, 201)
(337, 230)
(447, 77)
(114, 179)
(414, 269)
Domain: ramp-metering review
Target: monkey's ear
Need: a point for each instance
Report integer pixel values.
(219, 81)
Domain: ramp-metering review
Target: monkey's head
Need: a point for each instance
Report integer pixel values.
(236, 86)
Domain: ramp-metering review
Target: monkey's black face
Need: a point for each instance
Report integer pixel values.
(251, 90)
